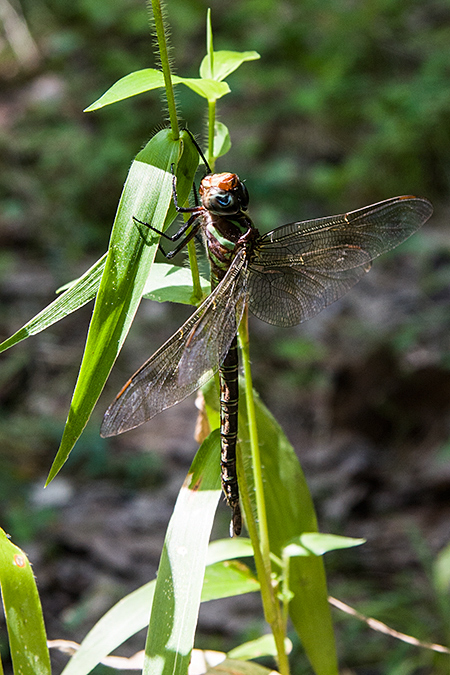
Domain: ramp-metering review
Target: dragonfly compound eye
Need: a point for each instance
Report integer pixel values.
(223, 202)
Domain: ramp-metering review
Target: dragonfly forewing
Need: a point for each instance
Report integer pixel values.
(187, 360)
(300, 268)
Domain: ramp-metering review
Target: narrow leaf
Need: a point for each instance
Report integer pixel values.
(225, 63)
(262, 646)
(290, 512)
(131, 614)
(77, 294)
(23, 612)
(317, 543)
(181, 570)
(147, 195)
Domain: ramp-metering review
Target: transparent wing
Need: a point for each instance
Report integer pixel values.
(300, 268)
(187, 360)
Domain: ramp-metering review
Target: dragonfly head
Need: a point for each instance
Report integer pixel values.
(223, 194)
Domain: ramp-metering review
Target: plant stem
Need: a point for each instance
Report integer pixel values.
(197, 292)
(259, 534)
(165, 65)
(211, 127)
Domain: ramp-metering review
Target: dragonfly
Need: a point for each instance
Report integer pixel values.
(284, 277)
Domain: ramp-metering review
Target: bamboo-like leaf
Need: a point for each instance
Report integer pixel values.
(147, 195)
(132, 612)
(23, 612)
(290, 512)
(318, 543)
(148, 79)
(181, 570)
(77, 294)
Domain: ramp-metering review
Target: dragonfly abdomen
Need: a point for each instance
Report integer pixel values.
(229, 396)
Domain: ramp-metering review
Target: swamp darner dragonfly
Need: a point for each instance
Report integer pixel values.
(285, 277)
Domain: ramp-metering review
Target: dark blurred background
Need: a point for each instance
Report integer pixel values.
(349, 104)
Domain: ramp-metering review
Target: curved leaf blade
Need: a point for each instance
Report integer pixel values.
(77, 295)
(318, 543)
(173, 620)
(130, 85)
(290, 512)
(207, 88)
(23, 611)
(147, 195)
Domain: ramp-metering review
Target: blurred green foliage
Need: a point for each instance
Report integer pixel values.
(348, 104)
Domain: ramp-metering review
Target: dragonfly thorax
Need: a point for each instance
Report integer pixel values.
(223, 194)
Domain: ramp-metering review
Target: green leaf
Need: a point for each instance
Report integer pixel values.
(130, 85)
(169, 283)
(131, 614)
(226, 579)
(78, 294)
(227, 549)
(225, 63)
(222, 141)
(23, 612)
(233, 667)
(290, 511)
(147, 195)
(173, 619)
(262, 646)
(209, 89)
(317, 543)
(148, 79)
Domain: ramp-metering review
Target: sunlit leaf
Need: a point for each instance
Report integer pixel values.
(290, 512)
(130, 85)
(262, 646)
(225, 63)
(317, 543)
(77, 294)
(222, 141)
(209, 89)
(148, 79)
(131, 614)
(23, 612)
(176, 602)
(169, 283)
(147, 194)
